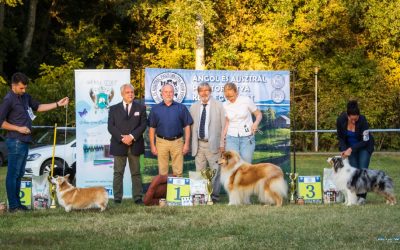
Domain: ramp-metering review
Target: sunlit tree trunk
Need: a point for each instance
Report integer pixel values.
(30, 28)
(200, 62)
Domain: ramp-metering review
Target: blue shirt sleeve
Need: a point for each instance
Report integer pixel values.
(33, 103)
(186, 117)
(152, 118)
(5, 108)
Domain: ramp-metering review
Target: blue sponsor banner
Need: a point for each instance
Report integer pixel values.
(269, 90)
(265, 88)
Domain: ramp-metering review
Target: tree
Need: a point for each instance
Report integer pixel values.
(3, 3)
(53, 84)
(200, 63)
(30, 27)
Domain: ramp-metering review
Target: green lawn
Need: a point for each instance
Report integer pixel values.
(127, 226)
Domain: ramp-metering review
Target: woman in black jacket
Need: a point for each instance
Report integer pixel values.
(355, 140)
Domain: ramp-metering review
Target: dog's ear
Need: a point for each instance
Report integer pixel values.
(228, 155)
(337, 162)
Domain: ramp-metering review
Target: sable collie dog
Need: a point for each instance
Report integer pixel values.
(242, 179)
(352, 181)
(71, 197)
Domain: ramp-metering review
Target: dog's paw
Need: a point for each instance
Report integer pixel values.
(361, 201)
(390, 202)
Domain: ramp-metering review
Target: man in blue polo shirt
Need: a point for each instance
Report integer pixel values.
(16, 116)
(169, 120)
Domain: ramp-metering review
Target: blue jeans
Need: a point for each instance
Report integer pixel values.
(360, 159)
(244, 145)
(17, 153)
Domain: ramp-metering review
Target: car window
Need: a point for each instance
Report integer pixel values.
(62, 137)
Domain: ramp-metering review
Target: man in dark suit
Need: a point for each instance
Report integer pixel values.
(126, 123)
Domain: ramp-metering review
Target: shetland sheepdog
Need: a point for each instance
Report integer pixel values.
(352, 181)
(71, 197)
(242, 179)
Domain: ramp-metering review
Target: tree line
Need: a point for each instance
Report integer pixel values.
(354, 44)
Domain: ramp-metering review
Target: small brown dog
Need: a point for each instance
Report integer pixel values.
(71, 197)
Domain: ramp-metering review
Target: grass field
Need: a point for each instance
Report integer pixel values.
(127, 226)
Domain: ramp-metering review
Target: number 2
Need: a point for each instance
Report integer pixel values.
(310, 188)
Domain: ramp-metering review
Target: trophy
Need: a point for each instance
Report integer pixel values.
(208, 174)
(53, 193)
(293, 178)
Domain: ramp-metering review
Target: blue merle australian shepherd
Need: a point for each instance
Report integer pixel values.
(352, 181)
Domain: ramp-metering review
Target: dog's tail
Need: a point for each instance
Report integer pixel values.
(386, 187)
(279, 186)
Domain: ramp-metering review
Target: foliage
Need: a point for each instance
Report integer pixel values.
(11, 3)
(355, 44)
(53, 84)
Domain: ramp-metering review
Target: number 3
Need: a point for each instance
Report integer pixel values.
(310, 189)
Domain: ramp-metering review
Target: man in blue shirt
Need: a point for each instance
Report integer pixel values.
(169, 120)
(16, 116)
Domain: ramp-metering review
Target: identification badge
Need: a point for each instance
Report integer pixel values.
(31, 114)
(246, 129)
(136, 114)
(366, 135)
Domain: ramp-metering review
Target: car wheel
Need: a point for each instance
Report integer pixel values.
(58, 168)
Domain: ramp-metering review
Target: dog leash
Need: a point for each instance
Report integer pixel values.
(65, 136)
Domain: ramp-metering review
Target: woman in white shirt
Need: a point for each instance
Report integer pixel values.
(239, 128)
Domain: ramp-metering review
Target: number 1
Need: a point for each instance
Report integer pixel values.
(178, 193)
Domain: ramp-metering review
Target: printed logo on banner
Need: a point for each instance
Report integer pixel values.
(109, 191)
(278, 81)
(101, 97)
(172, 79)
(278, 95)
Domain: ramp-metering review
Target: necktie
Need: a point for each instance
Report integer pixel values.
(202, 122)
(127, 110)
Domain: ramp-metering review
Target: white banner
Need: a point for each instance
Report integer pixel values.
(95, 92)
